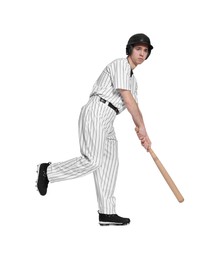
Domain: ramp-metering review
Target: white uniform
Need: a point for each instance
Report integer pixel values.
(98, 143)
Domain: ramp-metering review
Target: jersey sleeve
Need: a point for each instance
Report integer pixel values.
(121, 75)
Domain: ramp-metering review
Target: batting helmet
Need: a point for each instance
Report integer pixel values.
(138, 38)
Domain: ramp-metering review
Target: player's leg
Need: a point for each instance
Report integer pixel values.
(92, 140)
(105, 176)
(105, 180)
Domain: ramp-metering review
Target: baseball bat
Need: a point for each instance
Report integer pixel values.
(166, 176)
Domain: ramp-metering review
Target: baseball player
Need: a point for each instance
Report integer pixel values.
(114, 90)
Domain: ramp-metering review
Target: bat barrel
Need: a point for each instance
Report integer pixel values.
(166, 176)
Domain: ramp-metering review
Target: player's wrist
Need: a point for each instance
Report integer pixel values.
(142, 130)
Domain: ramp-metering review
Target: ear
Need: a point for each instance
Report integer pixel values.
(129, 49)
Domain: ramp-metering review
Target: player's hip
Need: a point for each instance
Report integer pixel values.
(97, 118)
(97, 108)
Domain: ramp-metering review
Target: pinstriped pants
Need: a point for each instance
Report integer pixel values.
(99, 154)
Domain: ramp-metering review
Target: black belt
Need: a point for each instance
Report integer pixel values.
(110, 105)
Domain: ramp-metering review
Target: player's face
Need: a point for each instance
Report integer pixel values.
(139, 53)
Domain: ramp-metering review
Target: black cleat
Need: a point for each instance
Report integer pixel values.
(42, 182)
(112, 219)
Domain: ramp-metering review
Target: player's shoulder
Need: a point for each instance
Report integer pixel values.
(118, 62)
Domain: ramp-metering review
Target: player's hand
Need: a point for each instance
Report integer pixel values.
(143, 137)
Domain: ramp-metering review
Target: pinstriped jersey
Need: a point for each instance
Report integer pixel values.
(116, 75)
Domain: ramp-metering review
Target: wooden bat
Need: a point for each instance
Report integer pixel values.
(166, 176)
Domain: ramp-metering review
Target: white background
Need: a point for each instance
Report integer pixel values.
(51, 53)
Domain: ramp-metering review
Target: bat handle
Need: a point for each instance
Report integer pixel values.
(153, 155)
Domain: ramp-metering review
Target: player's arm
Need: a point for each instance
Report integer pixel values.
(133, 108)
(136, 114)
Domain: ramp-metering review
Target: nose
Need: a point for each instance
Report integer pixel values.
(142, 53)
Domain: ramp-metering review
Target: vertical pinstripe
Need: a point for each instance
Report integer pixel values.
(98, 147)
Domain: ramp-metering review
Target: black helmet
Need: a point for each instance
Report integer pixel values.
(138, 38)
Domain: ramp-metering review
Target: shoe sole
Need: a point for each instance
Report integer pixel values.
(113, 224)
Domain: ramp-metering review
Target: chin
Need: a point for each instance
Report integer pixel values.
(140, 62)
